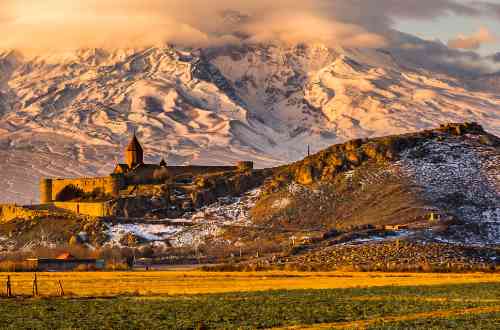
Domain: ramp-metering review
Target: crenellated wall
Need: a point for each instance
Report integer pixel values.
(111, 185)
(150, 173)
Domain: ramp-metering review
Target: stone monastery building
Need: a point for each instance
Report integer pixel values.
(128, 190)
(134, 172)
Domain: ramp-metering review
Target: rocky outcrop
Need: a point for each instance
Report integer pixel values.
(211, 187)
(325, 165)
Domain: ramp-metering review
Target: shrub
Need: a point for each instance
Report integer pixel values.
(17, 266)
(116, 266)
(70, 192)
(85, 268)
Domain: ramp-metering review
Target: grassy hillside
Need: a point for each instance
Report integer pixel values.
(371, 194)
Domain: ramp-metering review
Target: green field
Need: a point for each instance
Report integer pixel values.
(464, 306)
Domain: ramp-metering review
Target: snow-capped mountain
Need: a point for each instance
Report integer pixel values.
(71, 114)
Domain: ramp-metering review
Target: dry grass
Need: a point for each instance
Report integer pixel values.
(152, 283)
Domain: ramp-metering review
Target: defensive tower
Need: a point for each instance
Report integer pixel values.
(45, 191)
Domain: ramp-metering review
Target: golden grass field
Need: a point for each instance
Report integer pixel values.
(191, 299)
(157, 283)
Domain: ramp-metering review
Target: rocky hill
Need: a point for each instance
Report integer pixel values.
(69, 114)
(430, 198)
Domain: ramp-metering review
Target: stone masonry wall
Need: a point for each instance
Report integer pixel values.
(198, 169)
(109, 185)
(98, 209)
(10, 212)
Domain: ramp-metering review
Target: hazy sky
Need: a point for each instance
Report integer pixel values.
(35, 25)
(448, 27)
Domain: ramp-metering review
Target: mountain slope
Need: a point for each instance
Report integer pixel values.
(70, 114)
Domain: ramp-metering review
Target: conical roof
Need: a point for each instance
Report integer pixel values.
(134, 144)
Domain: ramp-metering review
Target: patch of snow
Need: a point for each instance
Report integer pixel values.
(149, 232)
(376, 238)
(462, 178)
(294, 188)
(281, 203)
(196, 227)
(67, 116)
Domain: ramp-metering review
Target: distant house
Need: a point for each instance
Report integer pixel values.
(64, 262)
(396, 227)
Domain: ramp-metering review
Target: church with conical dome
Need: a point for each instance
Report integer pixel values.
(134, 157)
(134, 170)
(134, 154)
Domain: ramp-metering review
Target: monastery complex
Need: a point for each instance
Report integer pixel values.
(131, 183)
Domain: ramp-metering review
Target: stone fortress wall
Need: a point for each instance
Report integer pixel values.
(93, 209)
(10, 212)
(202, 169)
(51, 188)
(78, 195)
(110, 185)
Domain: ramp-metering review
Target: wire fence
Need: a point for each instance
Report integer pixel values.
(57, 285)
(96, 284)
(13, 286)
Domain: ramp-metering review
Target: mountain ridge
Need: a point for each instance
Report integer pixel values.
(69, 115)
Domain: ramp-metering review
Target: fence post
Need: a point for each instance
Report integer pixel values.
(61, 292)
(35, 286)
(9, 287)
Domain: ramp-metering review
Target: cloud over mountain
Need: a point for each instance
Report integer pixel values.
(492, 9)
(58, 24)
(64, 25)
(473, 42)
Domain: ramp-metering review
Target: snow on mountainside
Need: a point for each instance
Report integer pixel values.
(461, 176)
(71, 114)
(487, 82)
